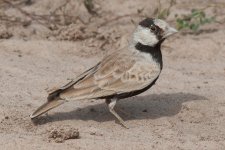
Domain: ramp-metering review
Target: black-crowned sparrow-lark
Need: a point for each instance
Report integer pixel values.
(122, 74)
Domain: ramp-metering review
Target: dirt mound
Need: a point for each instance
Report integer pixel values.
(60, 135)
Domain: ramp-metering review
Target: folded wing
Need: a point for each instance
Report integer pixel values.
(116, 74)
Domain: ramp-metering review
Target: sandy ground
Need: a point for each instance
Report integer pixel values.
(184, 110)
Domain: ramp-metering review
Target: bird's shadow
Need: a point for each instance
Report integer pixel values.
(141, 107)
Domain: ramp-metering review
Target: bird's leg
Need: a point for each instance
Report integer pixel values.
(111, 104)
(125, 113)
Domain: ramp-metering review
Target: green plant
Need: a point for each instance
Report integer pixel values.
(194, 21)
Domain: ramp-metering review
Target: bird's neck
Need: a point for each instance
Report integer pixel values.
(154, 51)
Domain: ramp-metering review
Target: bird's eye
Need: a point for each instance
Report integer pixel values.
(152, 28)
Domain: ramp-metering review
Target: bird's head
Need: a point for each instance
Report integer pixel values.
(151, 31)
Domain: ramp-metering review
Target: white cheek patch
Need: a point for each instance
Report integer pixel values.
(162, 24)
(145, 36)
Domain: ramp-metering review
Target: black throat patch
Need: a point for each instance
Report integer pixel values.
(155, 51)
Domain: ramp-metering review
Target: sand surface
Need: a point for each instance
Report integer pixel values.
(184, 110)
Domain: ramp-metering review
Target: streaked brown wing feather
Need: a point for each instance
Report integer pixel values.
(137, 77)
(113, 75)
(56, 93)
(80, 77)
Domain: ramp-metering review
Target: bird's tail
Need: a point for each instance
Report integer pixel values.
(47, 106)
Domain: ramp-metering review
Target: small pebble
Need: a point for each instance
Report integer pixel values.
(145, 110)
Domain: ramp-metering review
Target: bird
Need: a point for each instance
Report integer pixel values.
(123, 73)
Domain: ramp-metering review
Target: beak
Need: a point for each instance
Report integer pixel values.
(170, 31)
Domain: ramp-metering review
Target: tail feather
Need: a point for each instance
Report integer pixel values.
(46, 107)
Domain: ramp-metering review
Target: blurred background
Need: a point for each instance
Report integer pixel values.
(108, 23)
(46, 43)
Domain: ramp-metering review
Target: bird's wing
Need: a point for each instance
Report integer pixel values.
(116, 74)
(56, 92)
